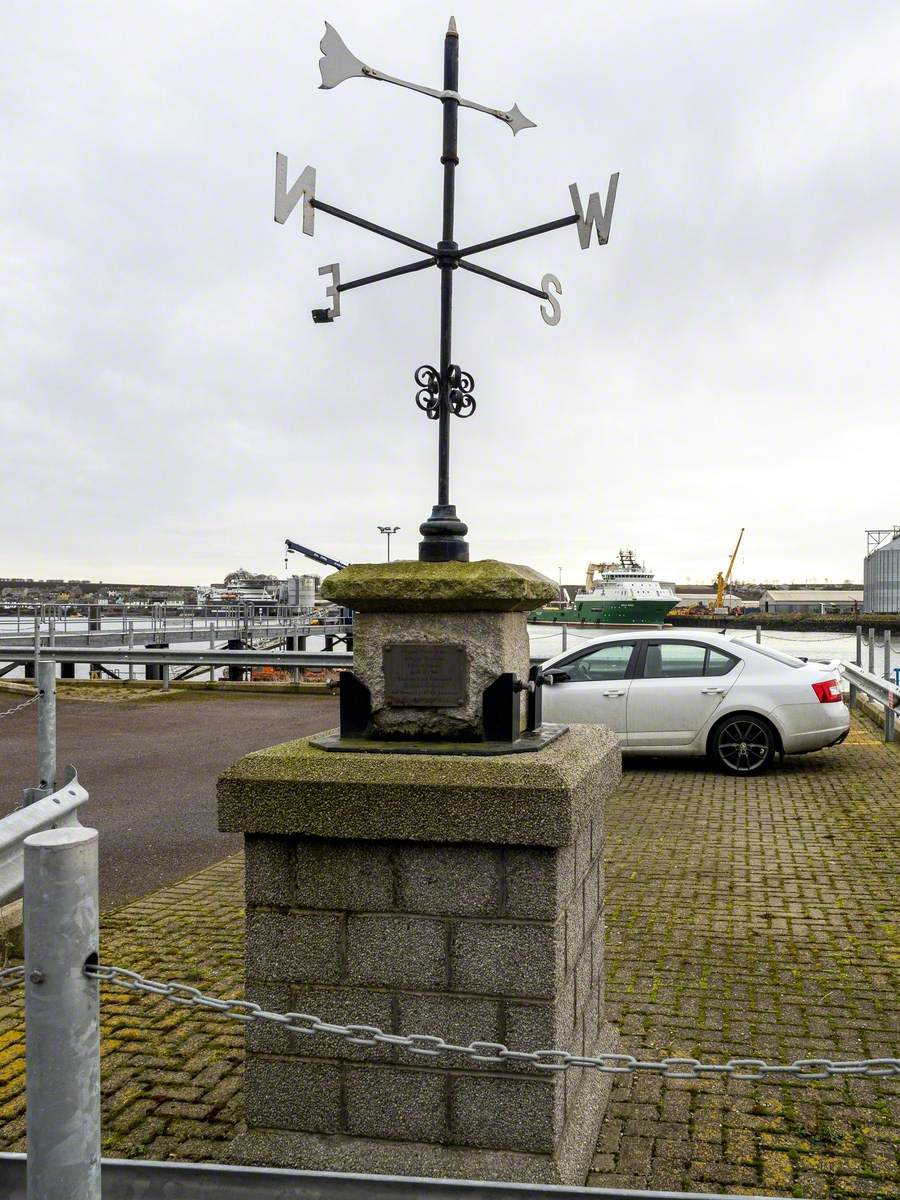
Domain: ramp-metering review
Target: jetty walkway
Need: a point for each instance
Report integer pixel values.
(744, 917)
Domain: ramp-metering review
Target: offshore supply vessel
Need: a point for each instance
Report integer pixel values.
(627, 594)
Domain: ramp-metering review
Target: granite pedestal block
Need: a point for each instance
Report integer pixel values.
(455, 896)
(478, 609)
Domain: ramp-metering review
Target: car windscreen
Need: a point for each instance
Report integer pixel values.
(787, 659)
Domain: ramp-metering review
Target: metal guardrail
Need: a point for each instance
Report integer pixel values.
(145, 1180)
(200, 658)
(56, 811)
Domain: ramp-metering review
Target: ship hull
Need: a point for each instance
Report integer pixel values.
(617, 613)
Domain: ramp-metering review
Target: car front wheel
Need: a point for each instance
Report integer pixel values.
(743, 745)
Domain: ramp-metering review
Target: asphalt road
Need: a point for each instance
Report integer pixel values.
(151, 769)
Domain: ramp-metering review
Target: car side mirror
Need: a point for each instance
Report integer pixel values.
(555, 675)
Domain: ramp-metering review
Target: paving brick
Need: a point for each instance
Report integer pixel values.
(741, 914)
(396, 952)
(453, 880)
(354, 876)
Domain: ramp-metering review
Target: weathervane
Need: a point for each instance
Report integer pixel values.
(446, 390)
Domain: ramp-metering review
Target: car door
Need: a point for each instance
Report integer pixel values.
(591, 688)
(677, 688)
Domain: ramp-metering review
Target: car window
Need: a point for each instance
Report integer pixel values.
(600, 664)
(720, 663)
(788, 659)
(674, 660)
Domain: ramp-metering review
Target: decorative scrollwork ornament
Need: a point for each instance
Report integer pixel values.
(428, 398)
(459, 393)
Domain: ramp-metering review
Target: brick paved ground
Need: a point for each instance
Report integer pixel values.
(744, 917)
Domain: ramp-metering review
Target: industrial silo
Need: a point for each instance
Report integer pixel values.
(881, 571)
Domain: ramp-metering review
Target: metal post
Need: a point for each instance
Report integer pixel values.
(131, 647)
(46, 712)
(212, 646)
(62, 1015)
(858, 659)
(888, 710)
(759, 635)
(565, 636)
(871, 650)
(165, 677)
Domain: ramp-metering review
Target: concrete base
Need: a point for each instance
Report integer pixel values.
(568, 1166)
(450, 896)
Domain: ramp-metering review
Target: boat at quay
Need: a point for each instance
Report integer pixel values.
(627, 594)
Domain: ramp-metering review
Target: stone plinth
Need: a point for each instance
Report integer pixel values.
(444, 895)
(478, 608)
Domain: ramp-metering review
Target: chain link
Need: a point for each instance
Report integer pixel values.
(18, 707)
(11, 976)
(430, 1046)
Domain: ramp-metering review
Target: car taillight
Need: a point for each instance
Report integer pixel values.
(828, 691)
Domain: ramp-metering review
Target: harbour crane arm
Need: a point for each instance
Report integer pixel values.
(296, 548)
(723, 580)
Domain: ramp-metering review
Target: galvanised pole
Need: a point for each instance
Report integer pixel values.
(46, 712)
(62, 1015)
(888, 711)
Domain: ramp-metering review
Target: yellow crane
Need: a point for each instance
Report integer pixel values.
(723, 580)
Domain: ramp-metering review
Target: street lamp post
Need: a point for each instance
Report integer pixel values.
(446, 390)
(388, 530)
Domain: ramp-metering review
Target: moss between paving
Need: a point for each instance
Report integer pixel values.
(743, 917)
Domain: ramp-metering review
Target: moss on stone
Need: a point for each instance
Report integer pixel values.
(410, 586)
(530, 799)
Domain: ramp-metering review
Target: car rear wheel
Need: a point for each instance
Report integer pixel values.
(744, 745)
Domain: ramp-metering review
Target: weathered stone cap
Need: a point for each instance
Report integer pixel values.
(519, 799)
(411, 586)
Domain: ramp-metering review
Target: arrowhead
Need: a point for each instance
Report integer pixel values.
(517, 120)
(337, 63)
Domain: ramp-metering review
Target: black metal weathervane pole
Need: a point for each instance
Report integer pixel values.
(443, 534)
(446, 391)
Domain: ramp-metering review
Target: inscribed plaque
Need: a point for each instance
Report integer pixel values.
(425, 675)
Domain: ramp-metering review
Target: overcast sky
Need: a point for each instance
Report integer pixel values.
(168, 410)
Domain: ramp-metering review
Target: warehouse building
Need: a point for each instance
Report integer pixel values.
(803, 600)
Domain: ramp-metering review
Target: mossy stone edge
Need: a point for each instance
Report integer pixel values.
(518, 799)
(410, 586)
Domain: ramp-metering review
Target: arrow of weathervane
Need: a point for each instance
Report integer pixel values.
(338, 63)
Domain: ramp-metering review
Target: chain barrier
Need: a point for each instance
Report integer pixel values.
(429, 1046)
(18, 707)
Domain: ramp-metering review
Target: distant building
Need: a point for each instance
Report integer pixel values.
(707, 599)
(808, 600)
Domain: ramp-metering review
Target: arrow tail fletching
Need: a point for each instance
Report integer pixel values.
(337, 62)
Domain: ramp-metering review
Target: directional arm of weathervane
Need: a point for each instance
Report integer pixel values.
(513, 283)
(373, 228)
(547, 227)
(418, 265)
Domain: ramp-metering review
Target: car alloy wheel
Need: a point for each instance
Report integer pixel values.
(744, 746)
